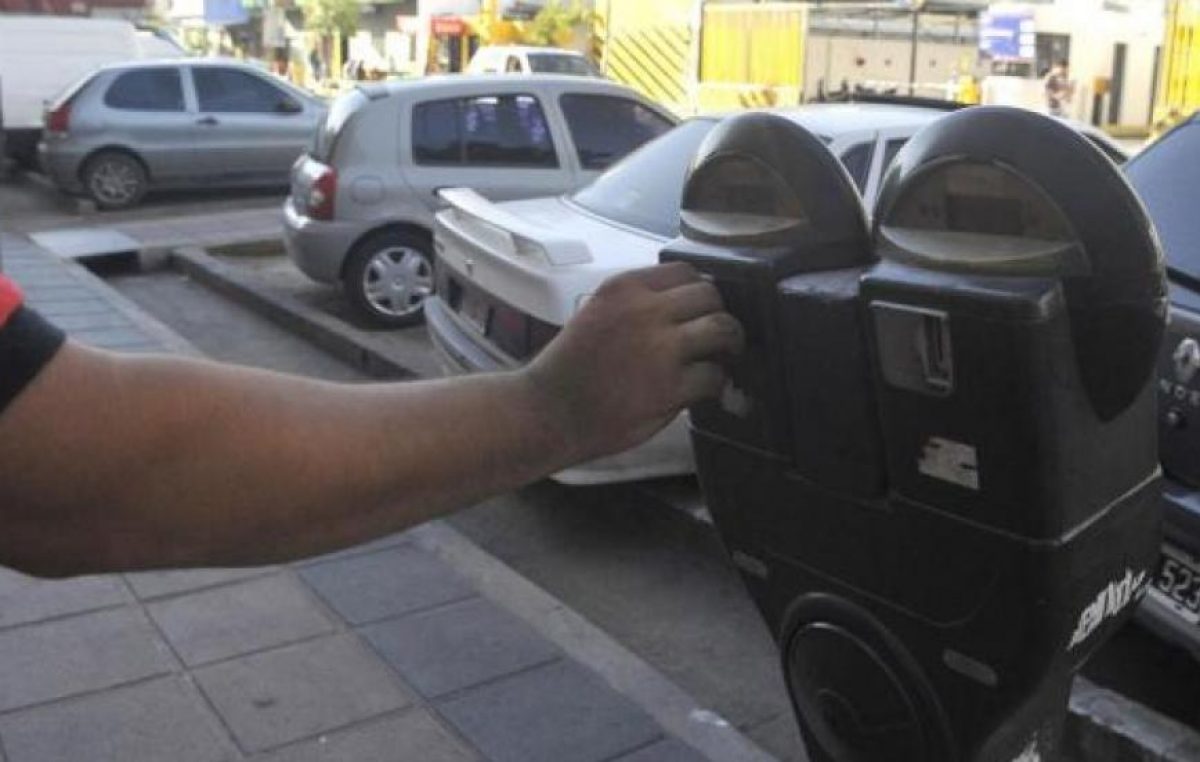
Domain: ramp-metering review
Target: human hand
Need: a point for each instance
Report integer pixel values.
(646, 345)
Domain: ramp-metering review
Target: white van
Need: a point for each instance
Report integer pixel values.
(40, 56)
(522, 59)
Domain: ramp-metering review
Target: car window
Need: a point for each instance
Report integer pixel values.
(551, 63)
(232, 91)
(606, 128)
(157, 89)
(492, 131)
(644, 190)
(890, 149)
(857, 160)
(1165, 177)
(513, 66)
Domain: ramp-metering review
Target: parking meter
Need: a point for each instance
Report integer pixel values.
(935, 466)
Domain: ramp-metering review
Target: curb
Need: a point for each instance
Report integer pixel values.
(327, 332)
(1102, 726)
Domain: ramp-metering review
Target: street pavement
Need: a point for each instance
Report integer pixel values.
(418, 646)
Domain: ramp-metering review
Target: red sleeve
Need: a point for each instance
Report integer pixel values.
(10, 299)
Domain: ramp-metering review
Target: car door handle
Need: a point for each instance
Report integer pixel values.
(208, 121)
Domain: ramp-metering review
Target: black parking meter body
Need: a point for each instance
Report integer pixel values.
(936, 465)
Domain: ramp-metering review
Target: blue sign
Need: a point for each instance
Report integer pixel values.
(1007, 35)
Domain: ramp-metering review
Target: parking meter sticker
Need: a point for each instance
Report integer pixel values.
(950, 461)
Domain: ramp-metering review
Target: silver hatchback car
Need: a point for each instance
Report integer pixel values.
(173, 124)
(364, 195)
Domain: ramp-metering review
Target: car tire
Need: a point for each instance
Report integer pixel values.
(387, 277)
(114, 180)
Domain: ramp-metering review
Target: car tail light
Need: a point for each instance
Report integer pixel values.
(58, 121)
(321, 195)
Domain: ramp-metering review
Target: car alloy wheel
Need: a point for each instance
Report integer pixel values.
(115, 180)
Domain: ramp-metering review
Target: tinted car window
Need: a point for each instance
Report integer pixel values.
(341, 111)
(494, 131)
(857, 159)
(1165, 176)
(645, 189)
(146, 90)
(548, 63)
(605, 128)
(233, 91)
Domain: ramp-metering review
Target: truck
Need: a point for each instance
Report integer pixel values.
(41, 56)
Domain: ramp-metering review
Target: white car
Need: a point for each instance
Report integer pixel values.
(509, 275)
(523, 59)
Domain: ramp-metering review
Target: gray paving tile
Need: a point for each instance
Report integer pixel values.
(667, 750)
(382, 543)
(110, 337)
(150, 722)
(55, 294)
(156, 584)
(27, 599)
(556, 713)
(96, 321)
(83, 653)
(81, 307)
(414, 735)
(458, 646)
(240, 618)
(296, 692)
(388, 583)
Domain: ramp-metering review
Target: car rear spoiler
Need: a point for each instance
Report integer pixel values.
(517, 236)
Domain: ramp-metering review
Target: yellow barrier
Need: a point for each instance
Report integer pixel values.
(1179, 81)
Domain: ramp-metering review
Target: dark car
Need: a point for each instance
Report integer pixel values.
(1167, 176)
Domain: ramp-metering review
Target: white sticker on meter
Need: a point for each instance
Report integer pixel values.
(950, 461)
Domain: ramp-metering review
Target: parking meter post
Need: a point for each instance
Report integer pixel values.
(936, 464)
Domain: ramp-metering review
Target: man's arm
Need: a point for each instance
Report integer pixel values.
(121, 462)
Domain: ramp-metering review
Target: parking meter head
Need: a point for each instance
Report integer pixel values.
(760, 180)
(764, 199)
(966, 197)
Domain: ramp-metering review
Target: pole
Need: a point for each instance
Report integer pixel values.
(912, 54)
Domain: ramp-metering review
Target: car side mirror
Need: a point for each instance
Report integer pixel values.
(288, 106)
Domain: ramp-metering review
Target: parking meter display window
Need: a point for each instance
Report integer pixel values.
(737, 198)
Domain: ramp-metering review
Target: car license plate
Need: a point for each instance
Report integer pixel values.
(476, 311)
(1177, 584)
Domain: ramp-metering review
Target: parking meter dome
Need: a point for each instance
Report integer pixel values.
(963, 197)
(761, 180)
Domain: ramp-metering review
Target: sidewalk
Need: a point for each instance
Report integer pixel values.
(418, 646)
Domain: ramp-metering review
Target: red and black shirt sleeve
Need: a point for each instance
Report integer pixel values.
(27, 342)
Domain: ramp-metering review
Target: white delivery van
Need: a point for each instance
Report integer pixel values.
(41, 56)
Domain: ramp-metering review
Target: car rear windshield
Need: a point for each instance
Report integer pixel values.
(550, 63)
(68, 92)
(645, 189)
(324, 141)
(1165, 176)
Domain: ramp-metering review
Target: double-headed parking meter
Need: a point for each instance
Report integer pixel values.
(935, 465)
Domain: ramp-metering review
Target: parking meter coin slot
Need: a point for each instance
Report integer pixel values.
(835, 425)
